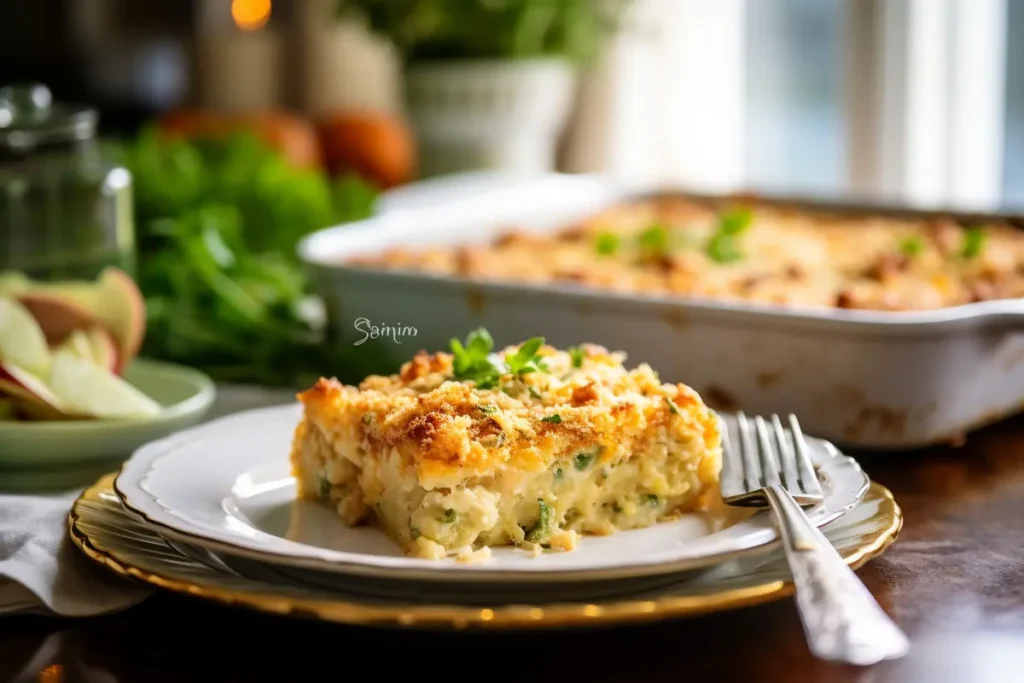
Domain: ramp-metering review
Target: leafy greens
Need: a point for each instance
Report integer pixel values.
(475, 361)
(217, 222)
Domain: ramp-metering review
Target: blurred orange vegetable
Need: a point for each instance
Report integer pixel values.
(377, 146)
(291, 135)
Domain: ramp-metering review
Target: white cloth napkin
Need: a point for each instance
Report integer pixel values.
(42, 572)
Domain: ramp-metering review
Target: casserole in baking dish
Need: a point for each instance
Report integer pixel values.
(881, 327)
(744, 250)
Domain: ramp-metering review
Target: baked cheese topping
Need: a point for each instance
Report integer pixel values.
(750, 252)
(531, 446)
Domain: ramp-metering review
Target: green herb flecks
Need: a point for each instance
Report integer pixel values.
(974, 242)
(582, 461)
(367, 418)
(672, 406)
(450, 516)
(559, 473)
(654, 241)
(487, 409)
(724, 249)
(735, 221)
(724, 244)
(541, 529)
(552, 419)
(912, 246)
(577, 355)
(651, 499)
(607, 243)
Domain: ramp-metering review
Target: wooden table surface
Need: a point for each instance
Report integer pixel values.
(954, 580)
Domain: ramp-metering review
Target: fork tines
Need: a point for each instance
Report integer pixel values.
(772, 455)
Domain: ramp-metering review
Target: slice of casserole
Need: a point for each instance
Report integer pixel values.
(531, 446)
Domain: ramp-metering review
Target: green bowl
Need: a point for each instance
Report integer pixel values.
(59, 455)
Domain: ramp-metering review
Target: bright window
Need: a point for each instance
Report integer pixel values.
(1013, 159)
(909, 101)
(794, 115)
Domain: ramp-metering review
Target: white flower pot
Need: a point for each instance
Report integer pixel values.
(498, 115)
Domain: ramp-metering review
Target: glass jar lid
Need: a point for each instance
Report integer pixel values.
(29, 118)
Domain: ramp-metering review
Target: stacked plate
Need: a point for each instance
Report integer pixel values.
(211, 511)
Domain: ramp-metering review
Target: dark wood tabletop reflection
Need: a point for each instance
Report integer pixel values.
(954, 580)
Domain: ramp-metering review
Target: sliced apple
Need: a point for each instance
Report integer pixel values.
(31, 392)
(87, 388)
(95, 345)
(57, 315)
(78, 344)
(22, 340)
(12, 283)
(122, 311)
(104, 349)
(113, 301)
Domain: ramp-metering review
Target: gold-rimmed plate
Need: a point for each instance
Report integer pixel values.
(117, 539)
(225, 487)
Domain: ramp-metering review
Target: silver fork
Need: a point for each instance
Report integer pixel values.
(772, 468)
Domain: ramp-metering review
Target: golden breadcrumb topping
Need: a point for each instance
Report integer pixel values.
(450, 429)
(527, 446)
(752, 252)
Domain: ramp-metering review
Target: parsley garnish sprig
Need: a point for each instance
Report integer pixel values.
(525, 360)
(476, 362)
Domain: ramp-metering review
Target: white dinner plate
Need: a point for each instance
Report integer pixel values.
(120, 541)
(226, 486)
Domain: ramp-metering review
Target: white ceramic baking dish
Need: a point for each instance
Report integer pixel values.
(865, 379)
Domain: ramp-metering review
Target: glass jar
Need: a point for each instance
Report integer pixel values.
(65, 210)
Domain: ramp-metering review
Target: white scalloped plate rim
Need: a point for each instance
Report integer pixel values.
(182, 485)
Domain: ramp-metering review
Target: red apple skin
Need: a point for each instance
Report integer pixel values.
(102, 341)
(57, 316)
(60, 312)
(129, 339)
(13, 384)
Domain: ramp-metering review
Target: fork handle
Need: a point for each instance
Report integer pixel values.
(841, 619)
